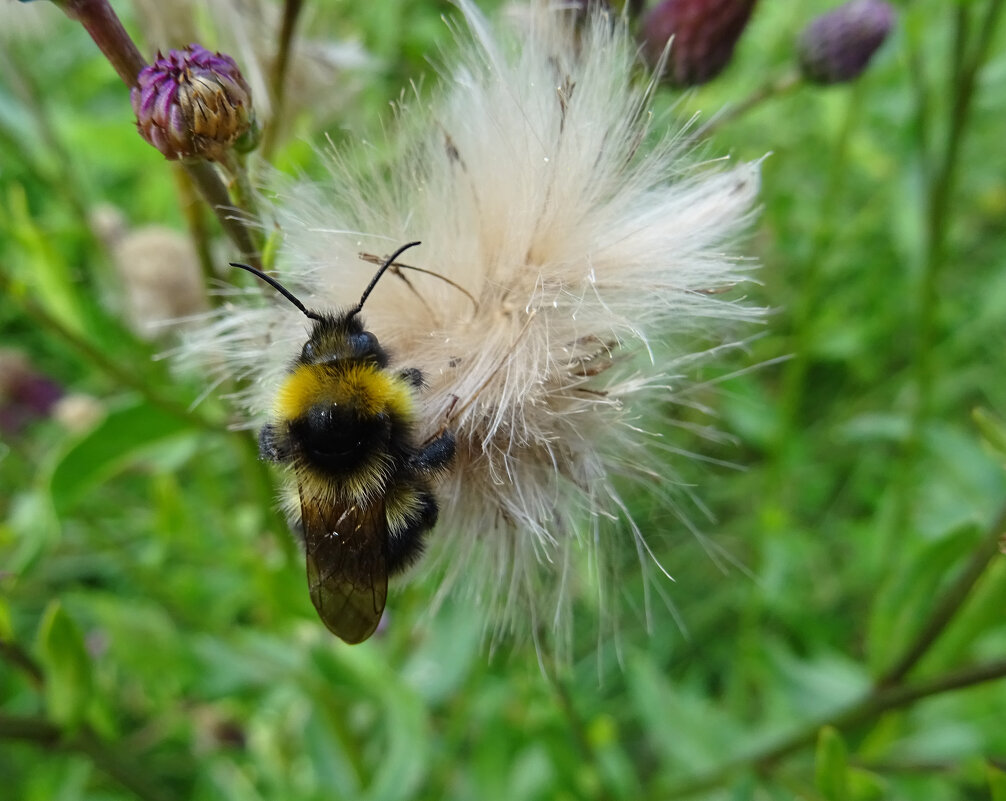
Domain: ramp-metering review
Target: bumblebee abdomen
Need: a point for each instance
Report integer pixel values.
(411, 512)
(336, 439)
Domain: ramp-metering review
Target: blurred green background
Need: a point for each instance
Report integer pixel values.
(837, 631)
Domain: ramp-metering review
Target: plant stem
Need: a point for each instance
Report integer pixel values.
(206, 177)
(241, 191)
(121, 375)
(939, 195)
(876, 702)
(104, 26)
(887, 692)
(22, 660)
(774, 88)
(949, 603)
(277, 82)
(103, 755)
(811, 270)
(199, 231)
(577, 728)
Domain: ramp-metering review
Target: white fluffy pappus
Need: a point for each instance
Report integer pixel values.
(591, 251)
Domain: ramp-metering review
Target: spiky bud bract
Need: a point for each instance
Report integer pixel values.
(192, 103)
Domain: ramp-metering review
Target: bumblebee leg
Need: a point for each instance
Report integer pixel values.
(412, 375)
(271, 446)
(407, 545)
(435, 455)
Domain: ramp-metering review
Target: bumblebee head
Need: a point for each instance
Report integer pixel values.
(337, 336)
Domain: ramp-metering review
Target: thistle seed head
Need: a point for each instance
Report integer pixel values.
(579, 264)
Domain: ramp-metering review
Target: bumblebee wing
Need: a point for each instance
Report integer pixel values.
(347, 571)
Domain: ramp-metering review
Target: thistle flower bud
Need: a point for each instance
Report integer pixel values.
(25, 393)
(837, 47)
(192, 103)
(702, 33)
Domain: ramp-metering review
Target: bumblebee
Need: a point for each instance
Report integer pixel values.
(343, 423)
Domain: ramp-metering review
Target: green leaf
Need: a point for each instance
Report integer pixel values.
(997, 783)
(6, 628)
(993, 431)
(981, 614)
(831, 766)
(109, 448)
(909, 594)
(41, 265)
(443, 660)
(658, 701)
(34, 526)
(66, 665)
(406, 746)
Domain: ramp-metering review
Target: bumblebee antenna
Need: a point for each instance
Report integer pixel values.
(377, 277)
(286, 293)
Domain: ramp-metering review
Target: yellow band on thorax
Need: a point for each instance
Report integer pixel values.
(367, 388)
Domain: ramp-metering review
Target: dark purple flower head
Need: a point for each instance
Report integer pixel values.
(192, 103)
(25, 393)
(837, 46)
(703, 34)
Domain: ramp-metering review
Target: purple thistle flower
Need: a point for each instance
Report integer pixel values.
(703, 33)
(192, 103)
(837, 47)
(25, 393)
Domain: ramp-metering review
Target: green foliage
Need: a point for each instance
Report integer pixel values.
(831, 766)
(66, 665)
(825, 639)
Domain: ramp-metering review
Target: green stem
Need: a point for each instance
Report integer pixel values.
(948, 605)
(887, 692)
(277, 82)
(120, 374)
(22, 660)
(578, 731)
(199, 230)
(939, 196)
(806, 307)
(241, 191)
(774, 88)
(106, 757)
(876, 702)
(206, 177)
